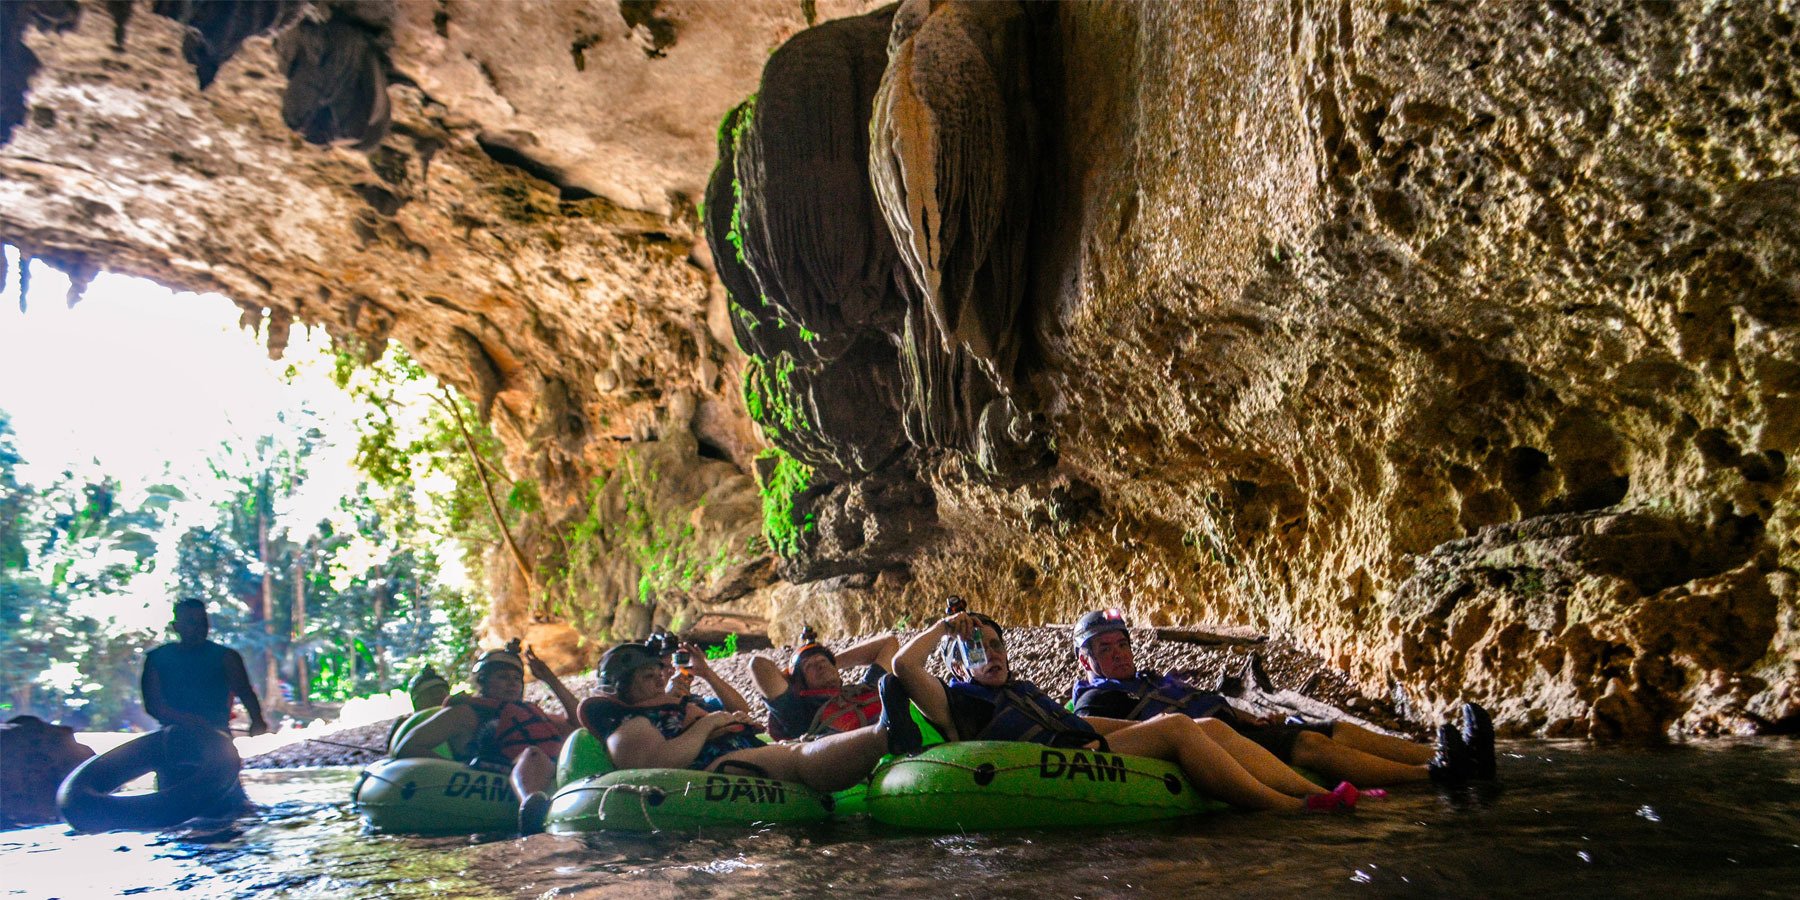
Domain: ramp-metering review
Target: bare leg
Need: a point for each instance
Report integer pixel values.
(1316, 751)
(828, 764)
(1266, 767)
(1179, 740)
(532, 772)
(1357, 737)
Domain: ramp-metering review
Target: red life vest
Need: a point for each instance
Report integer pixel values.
(846, 708)
(510, 726)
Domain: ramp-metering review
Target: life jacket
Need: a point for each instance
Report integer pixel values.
(1023, 712)
(510, 726)
(845, 708)
(604, 714)
(1157, 695)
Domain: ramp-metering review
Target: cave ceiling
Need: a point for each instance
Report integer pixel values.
(1457, 341)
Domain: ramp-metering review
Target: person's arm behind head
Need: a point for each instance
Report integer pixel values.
(571, 706)
(768, 677)
(876, 651)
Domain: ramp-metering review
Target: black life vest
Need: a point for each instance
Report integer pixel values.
(1157, 695)
(1023, 712)
(605, 713)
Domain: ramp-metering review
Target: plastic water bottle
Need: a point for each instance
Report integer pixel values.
(974, 652)
(971, 649)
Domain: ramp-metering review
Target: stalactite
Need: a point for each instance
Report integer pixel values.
(952, 163)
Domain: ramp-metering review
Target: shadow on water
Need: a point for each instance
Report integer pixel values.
(1718, 818)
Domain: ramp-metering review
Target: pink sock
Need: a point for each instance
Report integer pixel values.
(1374, 794)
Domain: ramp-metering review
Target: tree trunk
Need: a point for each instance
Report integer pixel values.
(271, 693)
(381, 673)
(302, 678)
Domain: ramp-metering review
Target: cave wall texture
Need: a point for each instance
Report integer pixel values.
(1456, 341)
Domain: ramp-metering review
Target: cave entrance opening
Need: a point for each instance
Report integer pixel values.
(156, 446)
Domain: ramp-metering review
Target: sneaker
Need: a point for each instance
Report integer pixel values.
(1452, 765)
(533, 810)
(903, 734)
(1478, 734)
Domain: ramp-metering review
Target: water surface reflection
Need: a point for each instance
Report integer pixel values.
(1705, 819)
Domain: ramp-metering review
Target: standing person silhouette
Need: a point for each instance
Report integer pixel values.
(190, 683)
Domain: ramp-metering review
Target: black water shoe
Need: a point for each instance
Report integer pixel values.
(1478, 734)
(532, 813)
(1254, 672)
(1231, 685)
(903, 735)
(1452, 765)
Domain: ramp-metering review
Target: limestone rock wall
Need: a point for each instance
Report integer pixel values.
(1456, 341)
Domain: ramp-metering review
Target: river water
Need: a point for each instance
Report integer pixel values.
(1714, 818)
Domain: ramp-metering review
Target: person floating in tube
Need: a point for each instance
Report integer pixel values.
(983, 701)
(643, 726)
(810, 698)
(496, 727)
(1111, 686)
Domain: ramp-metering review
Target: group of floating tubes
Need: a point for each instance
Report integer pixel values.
(966, 786)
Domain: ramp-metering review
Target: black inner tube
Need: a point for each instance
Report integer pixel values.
(196, 770)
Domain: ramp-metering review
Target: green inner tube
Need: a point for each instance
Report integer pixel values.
(680, 799)
(596, 796)
(426, 795)
(405, 726)
(986, 785)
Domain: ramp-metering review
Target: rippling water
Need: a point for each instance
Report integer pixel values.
(1701, 819)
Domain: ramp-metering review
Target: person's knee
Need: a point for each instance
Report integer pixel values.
(1213, 728)
(532, 760)
(1311, 746)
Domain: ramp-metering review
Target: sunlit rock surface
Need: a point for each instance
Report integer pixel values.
(1456, 342)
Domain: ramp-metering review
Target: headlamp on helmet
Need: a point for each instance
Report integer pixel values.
(507, 657)
(809, 644)
(427, 678)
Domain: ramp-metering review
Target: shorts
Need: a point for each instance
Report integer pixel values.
(1280, 739)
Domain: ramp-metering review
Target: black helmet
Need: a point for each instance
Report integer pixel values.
(621, 662)
(809, 644)
(427, 677)
(1097, 623)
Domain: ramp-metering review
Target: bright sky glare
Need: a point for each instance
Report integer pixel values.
(146, 385)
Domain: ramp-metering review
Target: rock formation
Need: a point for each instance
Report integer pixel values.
(1457, 342)
(39, 755)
